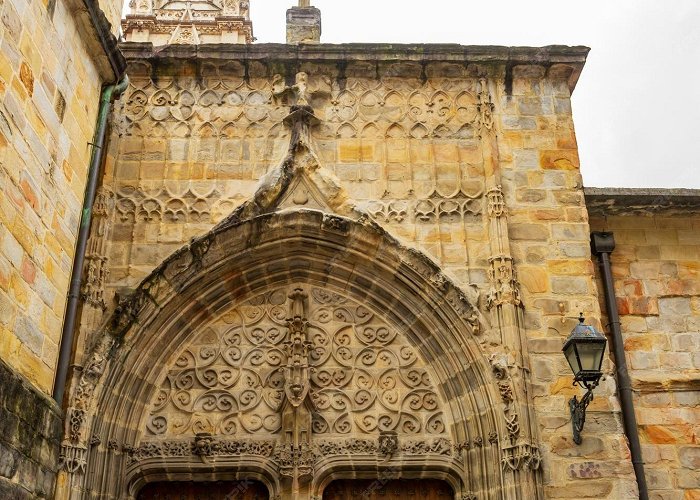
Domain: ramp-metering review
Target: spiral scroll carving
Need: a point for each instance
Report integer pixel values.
(365, 377)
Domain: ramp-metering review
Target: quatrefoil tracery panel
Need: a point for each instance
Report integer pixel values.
(365, 376)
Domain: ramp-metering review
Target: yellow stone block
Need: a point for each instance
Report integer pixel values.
(570, 267)
(534, 279)
(559, 159)
(19, 90)
(24, 235)
(421, 152)
(26, 76)
(6, 70)
(33, 367)
(30, 51)
(349, 151)
(514, 138)
(564, 387)
(396, 151)
(9, 345)
(19, 290)
(446, 152)
(36, 122)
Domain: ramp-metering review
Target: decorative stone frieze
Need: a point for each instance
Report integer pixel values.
(163, 23)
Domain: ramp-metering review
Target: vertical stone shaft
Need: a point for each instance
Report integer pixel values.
(519, 453)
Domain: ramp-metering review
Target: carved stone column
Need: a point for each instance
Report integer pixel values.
(96, 264)
(295, 455)
(519, 452)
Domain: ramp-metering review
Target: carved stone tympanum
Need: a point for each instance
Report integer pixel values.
(298, 364)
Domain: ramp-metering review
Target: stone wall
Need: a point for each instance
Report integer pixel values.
(49, 93)
(467, 156)
(656, 267)
(30, 433)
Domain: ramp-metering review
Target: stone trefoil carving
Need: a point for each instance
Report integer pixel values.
(521, 457)
(167, 204)
(434, 208)
(72, 459)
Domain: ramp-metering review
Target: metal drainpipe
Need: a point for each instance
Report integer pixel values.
(602, 245)
(70, 316)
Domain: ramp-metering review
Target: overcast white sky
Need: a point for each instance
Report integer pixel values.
(637, 104)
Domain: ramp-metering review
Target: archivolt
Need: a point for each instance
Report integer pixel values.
(241, 258)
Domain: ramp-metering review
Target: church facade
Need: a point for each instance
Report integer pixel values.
(334, 271)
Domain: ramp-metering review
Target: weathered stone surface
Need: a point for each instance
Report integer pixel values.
(659, 324)
(29, 422)
(48, 50)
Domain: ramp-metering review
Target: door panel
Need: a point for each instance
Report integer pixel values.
(219, 490)
(398, 489)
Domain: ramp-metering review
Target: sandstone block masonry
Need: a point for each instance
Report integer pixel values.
(30, 434)
(466, 154)
(656, 266)
(49, 92)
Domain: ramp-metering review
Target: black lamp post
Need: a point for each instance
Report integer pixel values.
(584, 351)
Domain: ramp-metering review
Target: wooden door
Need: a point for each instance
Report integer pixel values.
(398, 489)
(219, 490)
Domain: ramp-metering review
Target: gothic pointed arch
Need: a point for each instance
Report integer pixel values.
(295, 343)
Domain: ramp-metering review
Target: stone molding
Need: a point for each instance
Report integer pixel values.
(110, 62)
(602, 202)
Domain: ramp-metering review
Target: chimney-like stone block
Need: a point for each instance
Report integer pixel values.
(303, 25)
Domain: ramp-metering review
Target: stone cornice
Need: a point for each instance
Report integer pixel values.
(555, 60)
(96, 31)
(633, 201)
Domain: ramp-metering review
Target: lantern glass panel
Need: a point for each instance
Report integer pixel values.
(591, 355)
(570, 354)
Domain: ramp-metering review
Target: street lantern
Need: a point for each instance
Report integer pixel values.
(584, 349)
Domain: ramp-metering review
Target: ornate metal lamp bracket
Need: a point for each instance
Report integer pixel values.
(578, 411)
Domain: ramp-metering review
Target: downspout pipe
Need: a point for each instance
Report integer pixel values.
(602, 245)
(73, 301)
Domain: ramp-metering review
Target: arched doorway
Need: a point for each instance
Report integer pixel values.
(215, 490)
(232, 293)
(388, 489)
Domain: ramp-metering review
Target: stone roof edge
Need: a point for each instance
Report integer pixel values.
(572, 56)
(96, 32)
(635, 201)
